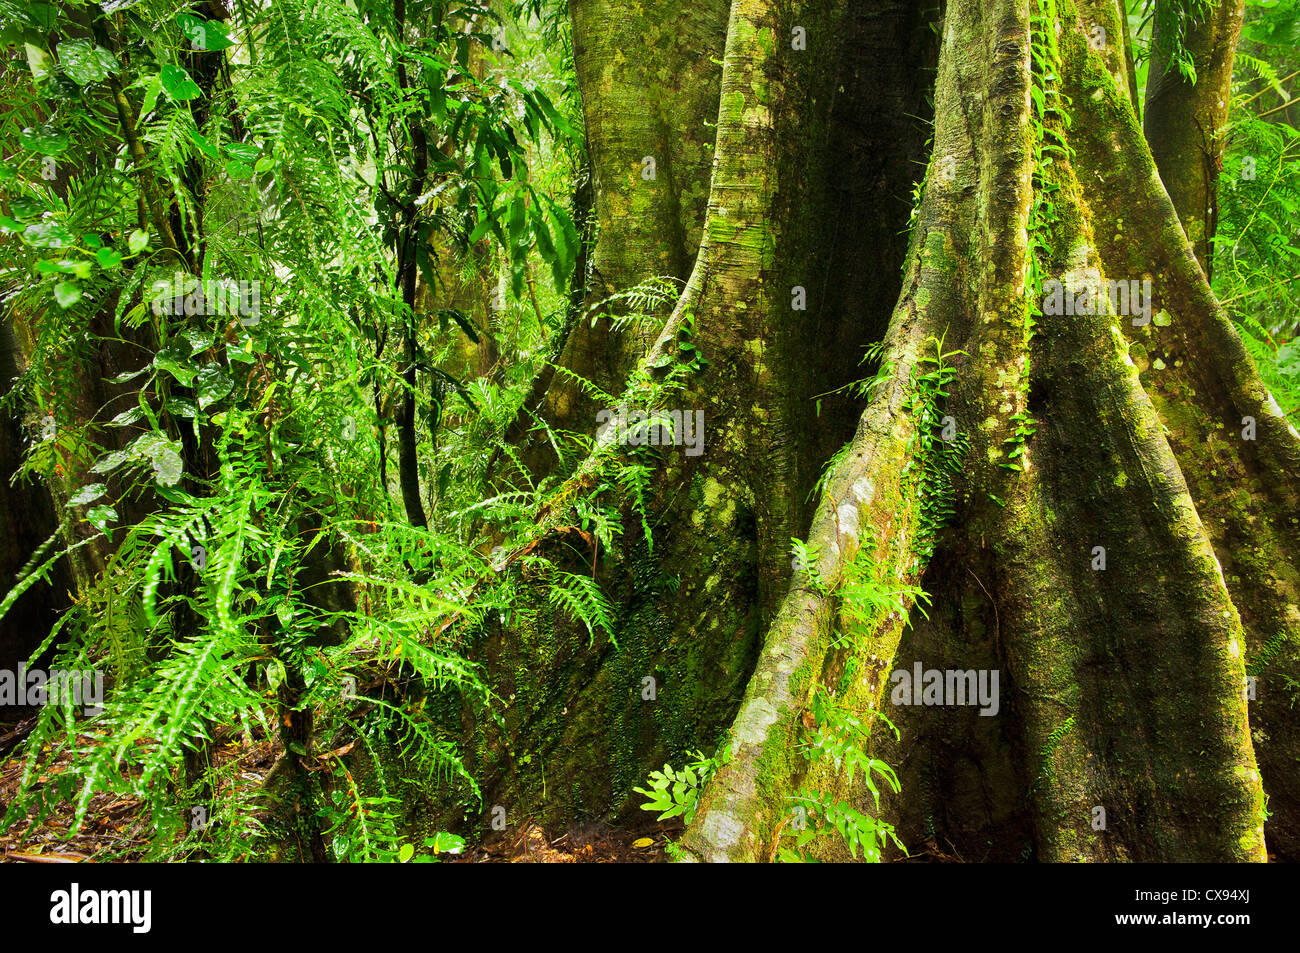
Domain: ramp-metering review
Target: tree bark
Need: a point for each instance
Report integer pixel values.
(28, 518)
(648, 74)
(1185, 117)
(1210, 398)
(1121, 691)
(691, 608)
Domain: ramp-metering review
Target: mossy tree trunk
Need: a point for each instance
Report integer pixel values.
(806, 220)
(1124, 687)
(648, 74)
(1118, 544)
(1189, 93)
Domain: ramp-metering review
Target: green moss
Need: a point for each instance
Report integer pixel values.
(722, 229)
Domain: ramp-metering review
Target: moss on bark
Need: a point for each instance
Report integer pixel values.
(1119, 693)
(691, 612)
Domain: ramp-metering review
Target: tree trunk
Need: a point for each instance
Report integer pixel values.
(784, 290)
(27, 519)
(1123, 691)
(1184, 116)
(1101, 502)
(648, 74)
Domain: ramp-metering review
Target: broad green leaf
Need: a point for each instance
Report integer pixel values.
(84, 62)
(156, 449)
(25, 207)
(213, 385)
(128, 375)
(38, 61)
(127, 417)
(49, 235)
(87, 494)
(207, 148)
(45, 139)
(182, 407)
(207, 35)
(444, 843)
(80, 269)
(176, 363)
(566, 236)
(178, 85)
(41, 16)
(110, 461)
(480, 229)
(516, 219)
(108, 258)
(137, 241)
(101, 516)
(67, 293)
(168, 467)
(545, 247)
(152, 88)
(241, 150)
(199, 340)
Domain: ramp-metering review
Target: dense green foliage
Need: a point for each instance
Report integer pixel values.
(255, 568)
(1257, 244)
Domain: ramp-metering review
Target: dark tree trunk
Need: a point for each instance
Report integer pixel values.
(28, 518)
(1184, 117)
(811, 193)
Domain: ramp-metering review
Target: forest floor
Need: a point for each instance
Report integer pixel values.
(593, 844)
(117, 827)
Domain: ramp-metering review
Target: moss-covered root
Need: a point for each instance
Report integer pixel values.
(1129, 695)
(866, 501)
(1239, 455)
(1123, 644)
(745, 802)
(1127, 698)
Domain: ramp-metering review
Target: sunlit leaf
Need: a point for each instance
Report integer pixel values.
(85, 62)
(177, 84)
